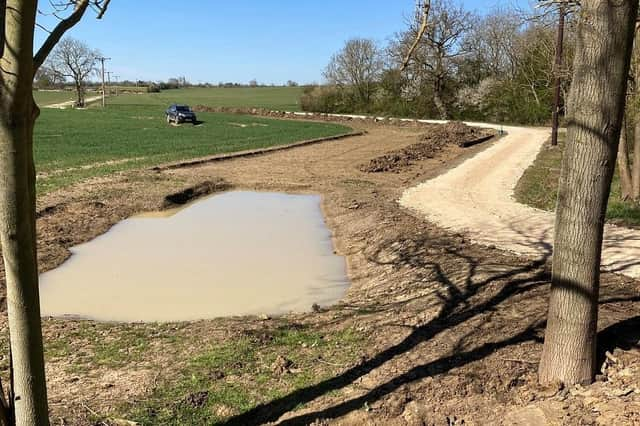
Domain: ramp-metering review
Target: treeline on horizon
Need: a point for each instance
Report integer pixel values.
(497, 67)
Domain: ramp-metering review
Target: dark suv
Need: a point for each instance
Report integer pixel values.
(180, 113)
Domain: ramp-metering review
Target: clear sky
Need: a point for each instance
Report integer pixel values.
(215, 40)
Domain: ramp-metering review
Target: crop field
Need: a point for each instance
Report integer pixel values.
(278, 98)
(72, 145)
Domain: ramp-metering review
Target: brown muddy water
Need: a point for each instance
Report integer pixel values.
(237, 253)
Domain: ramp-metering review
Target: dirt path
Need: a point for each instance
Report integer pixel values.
(476, 198)
(67, 104)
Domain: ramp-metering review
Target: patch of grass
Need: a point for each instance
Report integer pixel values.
(538, 187)
(276, 98)
(72, 145)
(89, 345)
(233, 377)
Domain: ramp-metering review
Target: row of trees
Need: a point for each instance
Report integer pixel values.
(497, 67)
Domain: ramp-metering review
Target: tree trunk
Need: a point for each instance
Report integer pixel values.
(17, 215)
(79, 95)
(437, 99)
(635, 172)
(17, 233)
(623, 166)
(601, 66)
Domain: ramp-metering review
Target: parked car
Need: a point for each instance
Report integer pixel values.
(180, 113)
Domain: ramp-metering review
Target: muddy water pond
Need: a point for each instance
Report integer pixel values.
(237, 253)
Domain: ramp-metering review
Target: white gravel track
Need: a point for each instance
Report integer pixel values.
(476, 199)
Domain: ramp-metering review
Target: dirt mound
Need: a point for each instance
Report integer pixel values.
(432, 142)
(459, 133)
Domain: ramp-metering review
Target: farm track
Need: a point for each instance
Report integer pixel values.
(70, 103)
(453, 329)
(476, 198)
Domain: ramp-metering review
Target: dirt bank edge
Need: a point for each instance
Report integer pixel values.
(252, 152)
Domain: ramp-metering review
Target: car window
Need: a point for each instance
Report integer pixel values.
(183, 109)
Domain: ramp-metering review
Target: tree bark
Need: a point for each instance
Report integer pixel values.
(601, 66)
(623, 166)
(79, 95)
(17, 214)
(635, 171)
(437, 97)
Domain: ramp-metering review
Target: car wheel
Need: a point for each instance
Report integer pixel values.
(168, 119)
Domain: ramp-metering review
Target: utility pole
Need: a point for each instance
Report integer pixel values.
(109, 81)
(555, 118)
(104, 101)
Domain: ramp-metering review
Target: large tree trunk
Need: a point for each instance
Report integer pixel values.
(17, 214)
(601, 67)
(623, 165)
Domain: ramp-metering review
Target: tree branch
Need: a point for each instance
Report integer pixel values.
(103, 9)
(423, 27)
(58, 32)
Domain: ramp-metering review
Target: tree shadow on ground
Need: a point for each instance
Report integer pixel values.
(465, 293)
(457, 279)
(624, 335)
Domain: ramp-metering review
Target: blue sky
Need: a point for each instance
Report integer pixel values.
(215, 40)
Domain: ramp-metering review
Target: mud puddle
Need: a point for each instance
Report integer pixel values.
(238, 253)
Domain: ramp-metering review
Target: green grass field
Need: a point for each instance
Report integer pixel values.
(277, 98)
(538, 187)
(48, 97)
(72, 145)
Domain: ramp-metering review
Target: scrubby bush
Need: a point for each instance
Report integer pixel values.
(327, 99)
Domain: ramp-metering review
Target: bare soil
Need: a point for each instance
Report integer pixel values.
(454, 330)
(436, 137)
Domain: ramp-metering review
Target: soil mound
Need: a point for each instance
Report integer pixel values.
(431, 142)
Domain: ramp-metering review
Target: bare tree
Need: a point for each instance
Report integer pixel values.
(27, 404)
(492, 44)
(630, 171)
(75, 60)
(423, 7)
(46, 77)
(358, 65)
(626, 182)
(597, 99)
(535, 51)
(433, 57)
